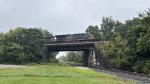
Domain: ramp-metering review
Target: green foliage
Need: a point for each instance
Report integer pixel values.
(22, 46)
(95, 31)
(138, 67)
(120, 29)
(143, 46)
(128, 46)
(107, 28)
(146, 68)
(74, 57)
(142, 66)
(117, 52)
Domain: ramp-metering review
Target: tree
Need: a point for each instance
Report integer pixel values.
(107, 28)
(45, 32)
(134, 28)
(74, 57)
(23, 45)
(120, 29)
(95, 31)
(121, 57)
(143, 43)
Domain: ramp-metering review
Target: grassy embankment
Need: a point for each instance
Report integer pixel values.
(45, 74)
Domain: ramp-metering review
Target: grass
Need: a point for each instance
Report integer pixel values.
(45, 74)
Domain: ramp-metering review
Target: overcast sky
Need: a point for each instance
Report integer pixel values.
(65, 16)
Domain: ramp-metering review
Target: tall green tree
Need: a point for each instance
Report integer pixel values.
(143, 44)
(134, 28)
(120, 29)
(107, 28)
(95, 31)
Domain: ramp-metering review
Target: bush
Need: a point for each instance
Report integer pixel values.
(146, 68)
(138, 67)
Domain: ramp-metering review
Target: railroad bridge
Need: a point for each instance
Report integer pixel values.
(92, 56)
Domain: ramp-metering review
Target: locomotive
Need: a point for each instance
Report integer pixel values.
(71, 38)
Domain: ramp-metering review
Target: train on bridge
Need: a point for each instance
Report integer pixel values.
(80, 37)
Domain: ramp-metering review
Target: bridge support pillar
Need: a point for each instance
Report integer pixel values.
(46, 57)
(86, 57)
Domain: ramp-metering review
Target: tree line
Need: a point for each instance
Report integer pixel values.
(72, 56)
(125, 44)
(23, 45)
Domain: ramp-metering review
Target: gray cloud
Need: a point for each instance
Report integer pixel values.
(65, 16)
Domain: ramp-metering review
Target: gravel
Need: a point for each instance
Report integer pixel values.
(124, 75)
(140, 79)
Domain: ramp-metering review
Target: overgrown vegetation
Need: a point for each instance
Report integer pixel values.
(127, 44)
(45, 74)
(22, 45)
